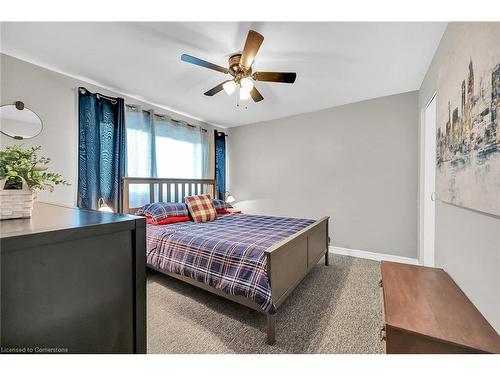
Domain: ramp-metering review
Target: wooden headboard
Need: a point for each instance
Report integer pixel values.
(167, 189)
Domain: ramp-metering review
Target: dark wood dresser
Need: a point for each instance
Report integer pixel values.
(426, 312)
(73, 281)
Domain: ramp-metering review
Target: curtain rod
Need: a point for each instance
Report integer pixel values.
(83, 90)
(181, 122)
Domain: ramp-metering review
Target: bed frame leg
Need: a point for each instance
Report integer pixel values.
(327, 254)
(271, 329)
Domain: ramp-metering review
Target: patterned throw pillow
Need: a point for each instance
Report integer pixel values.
(201, 208)
(219, 204)
(161, 210)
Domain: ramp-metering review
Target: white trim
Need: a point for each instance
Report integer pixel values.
(421, 150)
(370, 255)
(423, 171)
(427, 183)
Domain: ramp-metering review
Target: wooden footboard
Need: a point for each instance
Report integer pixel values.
(290, 260)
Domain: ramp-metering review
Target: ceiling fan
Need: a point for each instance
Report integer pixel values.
(240, 68)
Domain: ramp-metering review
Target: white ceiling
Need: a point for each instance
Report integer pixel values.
(336, 63)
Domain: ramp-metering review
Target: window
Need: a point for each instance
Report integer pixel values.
(158, 146)
(181, 150)
(139, 143)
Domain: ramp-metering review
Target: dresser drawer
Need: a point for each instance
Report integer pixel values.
(73, 281)
(401, 342)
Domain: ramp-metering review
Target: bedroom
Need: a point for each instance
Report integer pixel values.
(350, 168)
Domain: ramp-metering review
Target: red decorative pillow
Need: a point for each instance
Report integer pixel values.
(228, 211)
(167, 220)
(201, 208)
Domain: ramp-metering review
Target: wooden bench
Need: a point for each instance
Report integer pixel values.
(426, 312)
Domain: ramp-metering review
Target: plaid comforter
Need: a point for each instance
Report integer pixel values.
(227, 254)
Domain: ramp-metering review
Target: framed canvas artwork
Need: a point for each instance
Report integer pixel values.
(468, 126)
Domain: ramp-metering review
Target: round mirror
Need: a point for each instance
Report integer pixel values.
(19, 122)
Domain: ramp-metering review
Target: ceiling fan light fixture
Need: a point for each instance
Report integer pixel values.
(244, 94)
(241, 72)
(246, 84)
(229, 87)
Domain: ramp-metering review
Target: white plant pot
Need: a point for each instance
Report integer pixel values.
(15, 204)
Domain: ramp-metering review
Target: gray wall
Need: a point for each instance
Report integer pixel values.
(53, 96)
(467, 242)
(356, 163)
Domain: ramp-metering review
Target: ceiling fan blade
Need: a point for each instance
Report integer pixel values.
(203, 63)
(275, 77)
(252, 45)
(216, 89)
(256, 95)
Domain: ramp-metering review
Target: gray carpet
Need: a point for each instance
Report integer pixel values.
(336, 309)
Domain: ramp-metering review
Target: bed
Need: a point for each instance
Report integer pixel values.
(254, 260)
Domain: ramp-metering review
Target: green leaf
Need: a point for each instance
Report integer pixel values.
(18, 161)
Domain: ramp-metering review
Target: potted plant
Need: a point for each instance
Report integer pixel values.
(22, 174)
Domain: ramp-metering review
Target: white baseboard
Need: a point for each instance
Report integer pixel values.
(370, 255)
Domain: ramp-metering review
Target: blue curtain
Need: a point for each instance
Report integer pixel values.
(101, 150)
(220, 163)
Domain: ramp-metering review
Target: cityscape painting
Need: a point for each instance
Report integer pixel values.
(468, 127)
